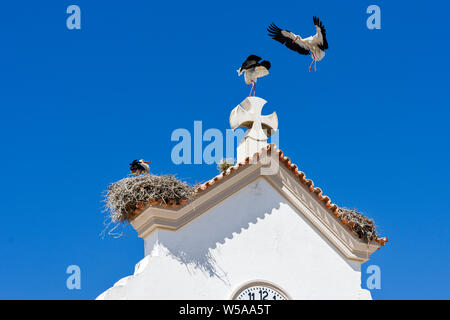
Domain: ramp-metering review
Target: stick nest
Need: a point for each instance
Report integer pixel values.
(132, 193)
(363, 226)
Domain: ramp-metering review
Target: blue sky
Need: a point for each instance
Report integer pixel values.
(370, 127)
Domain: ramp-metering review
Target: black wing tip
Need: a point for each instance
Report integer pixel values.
(274, 31)
(253, 57)
(318, 23)
(273, 28)
(266, 64)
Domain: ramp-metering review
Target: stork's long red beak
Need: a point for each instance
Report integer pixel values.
(147, 162)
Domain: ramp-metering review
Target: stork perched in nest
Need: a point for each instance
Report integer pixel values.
(315, 45)
(138, 167)
(253, 69)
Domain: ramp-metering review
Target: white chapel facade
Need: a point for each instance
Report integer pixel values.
(259, 230)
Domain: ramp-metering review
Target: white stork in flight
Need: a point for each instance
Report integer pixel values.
(315, 45)
(138, 167)
(253, 69)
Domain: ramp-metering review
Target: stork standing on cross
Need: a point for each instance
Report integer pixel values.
(253, 69)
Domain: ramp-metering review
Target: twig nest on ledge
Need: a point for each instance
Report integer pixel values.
(128, 196)
(364, 227)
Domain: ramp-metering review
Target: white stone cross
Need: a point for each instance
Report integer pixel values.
(248, 114)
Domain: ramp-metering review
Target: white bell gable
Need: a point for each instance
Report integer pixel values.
(247, 230)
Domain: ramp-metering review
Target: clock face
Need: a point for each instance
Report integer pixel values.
(260, 292)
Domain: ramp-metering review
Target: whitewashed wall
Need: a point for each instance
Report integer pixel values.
(253, 235)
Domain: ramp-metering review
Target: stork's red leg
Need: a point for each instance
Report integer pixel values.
(314, 60)
(315, 65)
(310, 66)
(254, 88)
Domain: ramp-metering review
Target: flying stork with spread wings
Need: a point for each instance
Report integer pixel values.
(314, 45)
